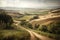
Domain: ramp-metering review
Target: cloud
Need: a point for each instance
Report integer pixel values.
(30, 3)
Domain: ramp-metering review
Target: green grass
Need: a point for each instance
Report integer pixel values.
(47, 34)
(26, 17)
(14, 35)
(55, 36)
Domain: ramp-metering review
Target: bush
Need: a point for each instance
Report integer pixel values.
(26, 24)
(5, 21)
(43, 28)
(23, 22)
(36, 26)
(54, 27)
(35, 17)
(29, 25)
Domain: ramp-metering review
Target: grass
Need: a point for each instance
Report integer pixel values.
(26, 17)
(55, 36)
(14, 35)
(50, 35)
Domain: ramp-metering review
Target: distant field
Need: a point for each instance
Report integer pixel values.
(27, 17)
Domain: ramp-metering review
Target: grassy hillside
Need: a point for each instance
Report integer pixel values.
(49, 27)
(45, 21)
(14, 35)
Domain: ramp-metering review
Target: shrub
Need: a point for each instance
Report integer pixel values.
(5, 21)
(29, 25)
(43, 28)
(35, 17)
(26, 24)
(23, 22)
(54, 27)
(36, 26)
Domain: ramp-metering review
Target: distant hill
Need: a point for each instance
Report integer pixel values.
(46, 21)
(55, 10)
(26, 10)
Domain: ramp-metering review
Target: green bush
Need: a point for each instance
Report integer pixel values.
(5, 21)
(43, 28)
(54, 27)
(36, 26)
(23, 22)
(29, 25)
(35, 17)
(26, 24)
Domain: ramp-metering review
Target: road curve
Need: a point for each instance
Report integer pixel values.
(33, 34)
(42, 37)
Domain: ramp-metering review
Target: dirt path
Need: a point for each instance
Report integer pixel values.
(33, 34)
(41, 37)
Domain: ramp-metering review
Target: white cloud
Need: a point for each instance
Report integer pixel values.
(26, 4)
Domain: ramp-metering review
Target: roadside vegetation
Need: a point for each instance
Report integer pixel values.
(51, 30)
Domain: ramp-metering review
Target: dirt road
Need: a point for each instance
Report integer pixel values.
(33, 34)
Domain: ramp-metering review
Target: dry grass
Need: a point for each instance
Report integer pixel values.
(14, 35)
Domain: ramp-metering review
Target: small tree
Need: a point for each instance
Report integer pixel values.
(29, 25)
(26, 24)
(37, 26)
(23, 22)
(43, 28)
(35, 17)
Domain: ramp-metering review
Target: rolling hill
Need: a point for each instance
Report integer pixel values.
(46, 21)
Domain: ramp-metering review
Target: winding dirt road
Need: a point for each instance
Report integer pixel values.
(33, 34)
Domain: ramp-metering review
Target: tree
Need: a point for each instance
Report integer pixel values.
(29, 25)
(37, 26)
(23, 22)
(43, 28)
(5, 21)
(26, 24)
(35, 17)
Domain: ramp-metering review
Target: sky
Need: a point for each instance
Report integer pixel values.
(30, 3)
